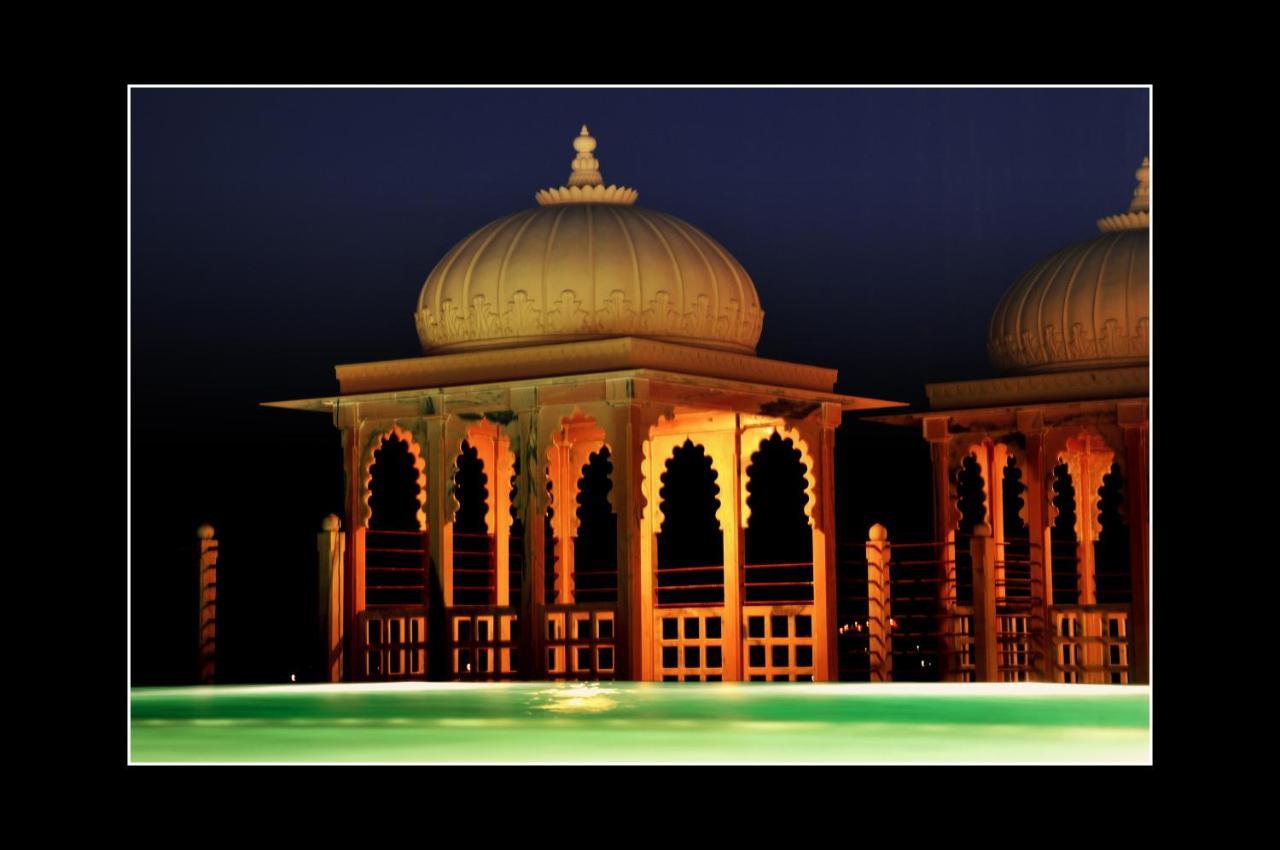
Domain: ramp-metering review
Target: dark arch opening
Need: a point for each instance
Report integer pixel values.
(1066, 579)
(690, 543)
(595, 548)
(1017, 536)
(1111, 549)
(515, 543)
(972, 505)
(779, 541)
(550, 561)
(394, 492)
(395, 561)
(473, 568)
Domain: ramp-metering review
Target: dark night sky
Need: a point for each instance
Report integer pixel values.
(276, 233)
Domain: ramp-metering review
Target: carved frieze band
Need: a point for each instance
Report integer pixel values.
(1052, 346)
(522, 316)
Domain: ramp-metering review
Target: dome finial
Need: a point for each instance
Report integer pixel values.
(585, 184)
(1139, 215)
(586, 168)
(1142, 195)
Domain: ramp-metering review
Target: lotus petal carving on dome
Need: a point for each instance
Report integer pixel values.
(728, 319)
(698, 320)
(586, 195)
(661, 318)
(1125, 221)
(486, 322)
(452, 320)
(1055, 342)
(566, 316)
(523, 317)
(1081, 344)
(617, 314)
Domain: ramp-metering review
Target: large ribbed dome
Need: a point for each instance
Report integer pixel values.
(587, 264)
(1085, 306)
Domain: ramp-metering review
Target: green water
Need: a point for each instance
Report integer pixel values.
(628, 722)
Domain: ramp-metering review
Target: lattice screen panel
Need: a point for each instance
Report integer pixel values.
(394, 645)
(1069, 659)
(778, 646)
(484, 645)
(1115, 643)
(964, 663)
(691, 645)
(1015, 648)
(581, 644)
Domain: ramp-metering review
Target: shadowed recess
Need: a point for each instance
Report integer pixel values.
(690, 542)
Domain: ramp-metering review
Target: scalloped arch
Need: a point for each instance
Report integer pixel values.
(371, 447)
(806, 457)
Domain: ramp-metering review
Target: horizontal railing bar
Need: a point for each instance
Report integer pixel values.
(690, 586)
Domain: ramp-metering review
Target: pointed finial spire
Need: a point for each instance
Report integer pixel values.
(586, 168)
(585, 184)
(1139, 215)
(1142, 195)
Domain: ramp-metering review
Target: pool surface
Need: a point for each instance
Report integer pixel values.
(631, 722)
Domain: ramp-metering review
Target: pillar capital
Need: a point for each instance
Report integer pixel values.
(1132, 414)
(1030, 420)
(935, 428)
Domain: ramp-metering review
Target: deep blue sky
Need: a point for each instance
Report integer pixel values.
(279, 232)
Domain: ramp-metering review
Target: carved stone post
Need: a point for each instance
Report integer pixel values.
(937, 433)
(1133, 419)
(986, 648)
(208, 563)
(330, 545)
(1031, 426)
(820, 436)
(879, 613)
(626, 429)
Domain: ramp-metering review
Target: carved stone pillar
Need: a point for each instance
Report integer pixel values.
(820, 436)
(329, 545)
(879, 609)
(1133, 419)
(626, 431)
(208, 622)
(938, 435)
(986, 648)
(1031, 426)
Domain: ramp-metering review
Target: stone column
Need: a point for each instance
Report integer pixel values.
(626, 428)
(820, 436)
(330, 545)
(1031, 426)
(208, 632)
(1133, 419)
(986, 646)
(936, 432)
(879, 610)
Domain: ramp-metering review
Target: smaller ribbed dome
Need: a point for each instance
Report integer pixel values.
(1085, 306)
